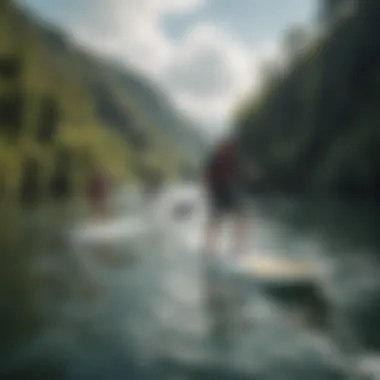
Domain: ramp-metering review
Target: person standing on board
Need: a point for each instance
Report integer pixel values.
(225, 179)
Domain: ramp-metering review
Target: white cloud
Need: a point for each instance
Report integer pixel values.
(212, 71)
(130, 30)
(207, 62)
(205, 74)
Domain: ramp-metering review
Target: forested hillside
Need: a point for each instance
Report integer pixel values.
(315, 128)
(64, 110)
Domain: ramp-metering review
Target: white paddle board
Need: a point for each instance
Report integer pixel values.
(275, 267)
(268, 268)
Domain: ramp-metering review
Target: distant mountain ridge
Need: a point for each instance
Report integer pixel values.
(64, 110)
(146, 96)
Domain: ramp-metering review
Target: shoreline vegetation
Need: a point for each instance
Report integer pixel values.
(315, 127)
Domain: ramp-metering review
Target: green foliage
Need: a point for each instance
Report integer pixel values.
(128, 102)
(75, 102)
(315, 128)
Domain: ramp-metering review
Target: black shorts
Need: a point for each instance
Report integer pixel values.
(224, 200)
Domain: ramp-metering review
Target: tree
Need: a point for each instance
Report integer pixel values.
(331, 10)
(295, 41)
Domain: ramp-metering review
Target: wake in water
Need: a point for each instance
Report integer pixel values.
(167, 313)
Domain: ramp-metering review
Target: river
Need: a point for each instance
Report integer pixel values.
(129, 300)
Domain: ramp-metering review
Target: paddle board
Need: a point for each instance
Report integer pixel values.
(268, 268)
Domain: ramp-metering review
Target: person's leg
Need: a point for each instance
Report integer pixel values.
(213, 224)
(240, 233)
(212, 233)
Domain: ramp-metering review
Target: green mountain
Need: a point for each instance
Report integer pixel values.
(134, 91)
(64, 110)
(315, 127)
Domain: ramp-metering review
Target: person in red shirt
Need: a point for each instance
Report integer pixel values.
(225, 177)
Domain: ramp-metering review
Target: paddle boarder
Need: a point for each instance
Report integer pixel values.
(225, 179)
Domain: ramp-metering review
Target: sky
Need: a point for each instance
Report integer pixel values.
(206, 54)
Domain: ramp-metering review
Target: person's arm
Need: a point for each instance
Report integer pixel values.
(253, 172)
(249, 170)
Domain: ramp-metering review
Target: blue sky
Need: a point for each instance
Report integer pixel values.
(207, 54)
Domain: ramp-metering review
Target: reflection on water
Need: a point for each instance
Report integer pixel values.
(136, 299)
